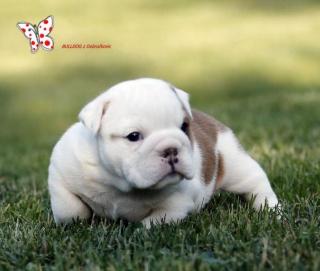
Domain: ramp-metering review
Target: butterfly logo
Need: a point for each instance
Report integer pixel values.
(38, 35)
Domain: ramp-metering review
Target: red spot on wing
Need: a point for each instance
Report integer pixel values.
(32, 42)
(23, 30)
(45, 21)
(47, 43)
(41, 35)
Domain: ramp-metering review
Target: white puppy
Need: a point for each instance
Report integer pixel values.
(140, 153)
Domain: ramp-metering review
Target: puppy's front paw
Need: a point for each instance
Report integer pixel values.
(262, 200)
(161, 217)
(148, 222)
(269, 201)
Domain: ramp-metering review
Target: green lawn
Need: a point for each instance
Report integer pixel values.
(255, 65)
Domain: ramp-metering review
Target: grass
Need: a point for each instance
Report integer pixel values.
(254, 65)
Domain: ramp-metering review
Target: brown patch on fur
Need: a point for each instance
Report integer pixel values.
(204, 129)
(220, 173)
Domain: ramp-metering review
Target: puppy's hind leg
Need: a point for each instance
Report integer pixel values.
(242, 174)
(65, 205)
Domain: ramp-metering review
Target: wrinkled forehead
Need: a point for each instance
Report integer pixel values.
(155, 100)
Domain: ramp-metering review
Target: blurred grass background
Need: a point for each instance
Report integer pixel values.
(255, 65)
(240, 51)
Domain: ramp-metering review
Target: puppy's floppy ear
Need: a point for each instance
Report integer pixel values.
(184, 99)
(91, 115)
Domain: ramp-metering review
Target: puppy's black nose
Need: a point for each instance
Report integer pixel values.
(170, 152)
(171, 155)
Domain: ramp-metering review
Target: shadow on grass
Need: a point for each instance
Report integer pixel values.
(245, 102)
(272, 6)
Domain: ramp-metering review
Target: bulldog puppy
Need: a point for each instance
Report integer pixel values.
(140, 153)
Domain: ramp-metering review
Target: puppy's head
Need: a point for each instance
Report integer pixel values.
(142, 129)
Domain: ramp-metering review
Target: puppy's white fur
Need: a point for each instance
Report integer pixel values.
(95, 168)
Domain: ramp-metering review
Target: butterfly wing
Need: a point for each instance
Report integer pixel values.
(30, 33)
(44, 29)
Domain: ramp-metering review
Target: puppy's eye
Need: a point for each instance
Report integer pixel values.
(185, 127)
(134, 136)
